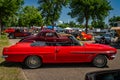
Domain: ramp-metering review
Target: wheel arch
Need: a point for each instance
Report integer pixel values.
(32, 55)
(98, 55)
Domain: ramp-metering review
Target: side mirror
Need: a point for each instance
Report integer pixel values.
(103, 75)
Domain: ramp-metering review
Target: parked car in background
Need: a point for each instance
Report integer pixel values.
(82, 36)
(9, 30)
(46, 35)
(116, 32)
(34, 54)
(104, 38)
(86, 36)
(18, 33)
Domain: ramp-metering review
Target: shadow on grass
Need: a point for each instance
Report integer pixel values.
(10, 64)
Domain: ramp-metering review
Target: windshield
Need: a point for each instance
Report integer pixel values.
(74, 40)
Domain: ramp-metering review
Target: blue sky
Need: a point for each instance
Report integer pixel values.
(116, 8)
(64, 17)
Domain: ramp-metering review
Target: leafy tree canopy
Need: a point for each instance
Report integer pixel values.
(98, 24)
(84, 10)
(8, 8)
(30, 16)
(51, 9)
(113, 20)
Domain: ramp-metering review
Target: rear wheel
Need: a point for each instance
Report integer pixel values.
(33, 62)
(100, 61)
(11, 36)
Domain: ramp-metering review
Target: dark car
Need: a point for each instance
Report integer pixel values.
(18, 33)
(104, 75)
(104, 38)
(46, 35)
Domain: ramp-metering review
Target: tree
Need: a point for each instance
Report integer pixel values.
(30, 16)
(51, 10)
(72, 24)
(8, 8)
(98, 24)
(10, 20)
(64, 25)
(113, 20)
(84, 10)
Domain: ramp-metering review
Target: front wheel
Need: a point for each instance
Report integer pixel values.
(100, 61)
(33, 62)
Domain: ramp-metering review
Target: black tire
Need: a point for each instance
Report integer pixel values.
(100, 61)
(11, 36)
(33, 62)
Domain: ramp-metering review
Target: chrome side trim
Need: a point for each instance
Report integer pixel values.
(90, 52)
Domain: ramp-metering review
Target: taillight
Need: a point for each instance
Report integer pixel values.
(4, 52)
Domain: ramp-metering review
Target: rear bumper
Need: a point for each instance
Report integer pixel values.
(4, 56)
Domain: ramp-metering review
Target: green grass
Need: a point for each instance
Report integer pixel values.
(8, 71)
(3, 42)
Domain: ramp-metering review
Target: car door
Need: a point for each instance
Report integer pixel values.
(70, 53)
(46, 52)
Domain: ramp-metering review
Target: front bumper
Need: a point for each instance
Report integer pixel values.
(112, 56)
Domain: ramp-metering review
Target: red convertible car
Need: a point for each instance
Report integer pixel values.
(34, 54)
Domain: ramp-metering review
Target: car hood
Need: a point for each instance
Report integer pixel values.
(98, 37)
(100, 46)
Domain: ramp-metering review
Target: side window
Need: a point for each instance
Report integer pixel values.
(59, 44)
(41, 34)
(50, 43)
(50, 35)
(38, 44)
(64, 44)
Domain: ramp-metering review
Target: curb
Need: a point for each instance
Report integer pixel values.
(25, 78)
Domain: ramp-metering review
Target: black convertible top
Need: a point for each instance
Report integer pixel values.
(42, 43)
